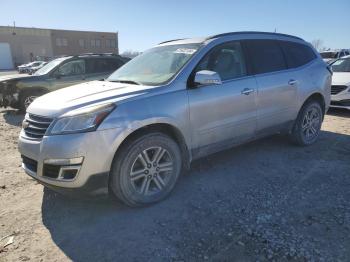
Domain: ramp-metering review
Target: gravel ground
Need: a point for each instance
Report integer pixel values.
(267, 200)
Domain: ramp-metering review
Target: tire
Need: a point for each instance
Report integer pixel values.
(27, 98)
(155, 159)
(307, 126)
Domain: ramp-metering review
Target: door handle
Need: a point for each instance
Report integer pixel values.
(247, 91)
(292, 82)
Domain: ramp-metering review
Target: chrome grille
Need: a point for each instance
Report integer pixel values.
(35, 126)
(337, 89)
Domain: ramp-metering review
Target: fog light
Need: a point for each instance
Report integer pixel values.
(69, 173)
(65, 162)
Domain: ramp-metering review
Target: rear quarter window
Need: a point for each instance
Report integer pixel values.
(103, 65)
(297, 54)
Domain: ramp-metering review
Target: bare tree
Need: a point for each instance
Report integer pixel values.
(130, 53)
(318, 44)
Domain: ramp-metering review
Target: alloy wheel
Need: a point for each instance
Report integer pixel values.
(29, 100)
(151, 171)
(311, 124)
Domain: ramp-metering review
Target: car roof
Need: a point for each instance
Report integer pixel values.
(239, 33)
(92, 55)
(334, 50)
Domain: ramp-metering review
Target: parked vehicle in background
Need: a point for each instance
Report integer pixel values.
(25, 68)
(340, 92)
(35, 68)
(181, 100)
(331, 55)
(19, 91)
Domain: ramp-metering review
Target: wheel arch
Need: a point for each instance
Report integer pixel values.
(164, 128)
(316, 97)
(22, 92)
(33, 89)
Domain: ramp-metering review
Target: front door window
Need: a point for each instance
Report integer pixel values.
(71, 68)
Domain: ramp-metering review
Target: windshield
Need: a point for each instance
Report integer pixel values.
(49, 66)
(341, 65)
(155, 66)
(329, 54)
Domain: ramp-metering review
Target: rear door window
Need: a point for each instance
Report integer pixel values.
(266, 56)
(102, 65)
(297, 54)
(114, 64)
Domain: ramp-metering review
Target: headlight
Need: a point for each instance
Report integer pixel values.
(81, 120)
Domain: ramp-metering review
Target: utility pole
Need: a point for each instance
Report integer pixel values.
(14, 27)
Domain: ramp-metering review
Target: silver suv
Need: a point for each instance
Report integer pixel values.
(134, 133)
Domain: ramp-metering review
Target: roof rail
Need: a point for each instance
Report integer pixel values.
(172, 40)
(251, 32)
(98, 54)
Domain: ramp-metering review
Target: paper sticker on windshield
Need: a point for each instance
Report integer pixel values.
(187, 51)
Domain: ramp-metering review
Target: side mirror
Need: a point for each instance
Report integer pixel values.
(206, 77)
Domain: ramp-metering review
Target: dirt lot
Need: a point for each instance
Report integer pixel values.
(267, 200)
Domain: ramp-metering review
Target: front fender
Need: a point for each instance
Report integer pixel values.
(131, 126)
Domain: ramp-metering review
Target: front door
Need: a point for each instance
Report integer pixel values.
(68, 74)
(225, 114)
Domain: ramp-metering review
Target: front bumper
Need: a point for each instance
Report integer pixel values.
(341, 100)
(8, 95)
(89, 154)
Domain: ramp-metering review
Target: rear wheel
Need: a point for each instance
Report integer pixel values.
(308, 124)
(145, 170)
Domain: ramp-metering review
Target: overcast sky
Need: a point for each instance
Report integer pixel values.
(142, 24)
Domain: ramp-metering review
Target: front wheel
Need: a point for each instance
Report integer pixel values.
(308, 124)
(146, 169)
(27, 98)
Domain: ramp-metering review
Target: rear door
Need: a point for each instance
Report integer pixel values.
(277, 86)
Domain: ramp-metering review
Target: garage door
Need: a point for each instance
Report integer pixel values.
(5, 57)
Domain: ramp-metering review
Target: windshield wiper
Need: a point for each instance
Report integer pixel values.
(126, 82)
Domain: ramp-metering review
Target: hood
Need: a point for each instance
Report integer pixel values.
(95, 92)
(341, 78)
(14, 77)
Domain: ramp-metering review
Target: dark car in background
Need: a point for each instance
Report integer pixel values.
(19, 91)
